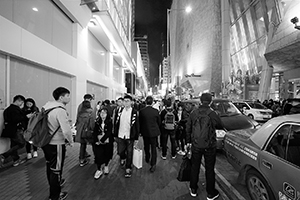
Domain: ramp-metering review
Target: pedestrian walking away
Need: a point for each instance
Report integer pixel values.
(168, 122)
(201, 138)
(55, 151)
(103, 142)
(126, 129)
(84, 125)
(150, 119)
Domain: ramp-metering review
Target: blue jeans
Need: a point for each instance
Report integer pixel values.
(125, 149)
(210, 160)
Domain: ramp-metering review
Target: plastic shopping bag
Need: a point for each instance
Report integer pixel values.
(137, 158)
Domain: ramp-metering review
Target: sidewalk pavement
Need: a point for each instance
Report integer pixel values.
(28, 181)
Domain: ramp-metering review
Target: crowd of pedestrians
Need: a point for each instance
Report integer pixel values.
(121, 121)
(283, 107)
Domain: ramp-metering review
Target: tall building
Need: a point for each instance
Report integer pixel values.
(238, 49)
(143, 45)
(84, 46)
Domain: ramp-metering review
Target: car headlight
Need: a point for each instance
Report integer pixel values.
(220, 133)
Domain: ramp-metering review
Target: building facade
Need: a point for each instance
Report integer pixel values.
(258, 43)
(84, 46)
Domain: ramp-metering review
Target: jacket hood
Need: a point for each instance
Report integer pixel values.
(52, 104)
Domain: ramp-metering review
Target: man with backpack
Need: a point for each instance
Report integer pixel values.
(55, 151)
(14, 120)
(168, 120)
(201, 138)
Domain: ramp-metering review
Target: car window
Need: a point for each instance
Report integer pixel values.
(259, 106)
(286, 144)
(293, 146)
(275, 145)
(225, 108)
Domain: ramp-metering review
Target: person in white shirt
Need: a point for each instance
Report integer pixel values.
(126, 130)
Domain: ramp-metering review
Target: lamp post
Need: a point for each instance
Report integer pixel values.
(187, 9)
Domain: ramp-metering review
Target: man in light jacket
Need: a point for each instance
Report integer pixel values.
(55, 151)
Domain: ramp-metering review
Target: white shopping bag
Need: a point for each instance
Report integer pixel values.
(137, 158)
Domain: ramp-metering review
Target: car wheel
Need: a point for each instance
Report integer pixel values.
(258, 187)
(251, 116)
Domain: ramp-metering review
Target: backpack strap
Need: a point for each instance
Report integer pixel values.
(48, 111)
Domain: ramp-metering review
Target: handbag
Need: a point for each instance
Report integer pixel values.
(137, 159)
(184, 173)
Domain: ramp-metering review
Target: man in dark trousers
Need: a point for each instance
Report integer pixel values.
(126, 130)
(15, 120)
(150, 121)
(202, 142)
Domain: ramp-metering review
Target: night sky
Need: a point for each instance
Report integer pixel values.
(151, 20)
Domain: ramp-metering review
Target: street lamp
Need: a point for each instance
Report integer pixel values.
(187, 9)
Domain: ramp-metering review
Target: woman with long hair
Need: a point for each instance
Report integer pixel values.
(30, 108)
(103, 142)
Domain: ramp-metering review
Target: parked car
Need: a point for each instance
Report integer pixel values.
(231, 117)
(254, 110)
(268, 159)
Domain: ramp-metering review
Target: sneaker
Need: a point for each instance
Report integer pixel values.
(213, 197)
(83, 163)
(193, 192)
(35, 154)
(180, 152)
(98, 174)
(163, 157)
(29, 156)
(18, 162)
(128, 173)
(62, 182)
(63, 195)
(173, 157)
(106, 171)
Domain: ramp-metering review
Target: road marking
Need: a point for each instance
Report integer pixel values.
(233, 190)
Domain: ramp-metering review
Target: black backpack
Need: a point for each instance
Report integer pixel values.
(203, 131)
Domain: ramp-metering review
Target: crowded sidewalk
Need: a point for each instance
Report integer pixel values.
(28, 180)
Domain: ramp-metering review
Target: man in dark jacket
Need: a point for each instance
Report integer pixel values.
(209, 151)
(126, 129)
(15, 121)
(150, 120)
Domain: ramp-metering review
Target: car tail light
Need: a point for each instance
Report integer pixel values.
(220, 133)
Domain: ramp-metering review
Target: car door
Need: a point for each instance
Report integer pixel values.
(280, 162)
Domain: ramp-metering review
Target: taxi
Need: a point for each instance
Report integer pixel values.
(268, 158)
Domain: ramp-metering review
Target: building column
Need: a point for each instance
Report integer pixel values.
(226, 64)
(265, 81)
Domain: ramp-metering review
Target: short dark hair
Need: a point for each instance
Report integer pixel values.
(168, 103)
(121, 98)
(18, 97)
(149, 100)
(87, 96)
(128, 97)
(60, 91)
(206, 98)
(107, 102)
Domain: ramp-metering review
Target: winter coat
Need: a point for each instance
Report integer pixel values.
(84, 119)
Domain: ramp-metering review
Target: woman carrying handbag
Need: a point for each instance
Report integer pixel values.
(103, 142)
